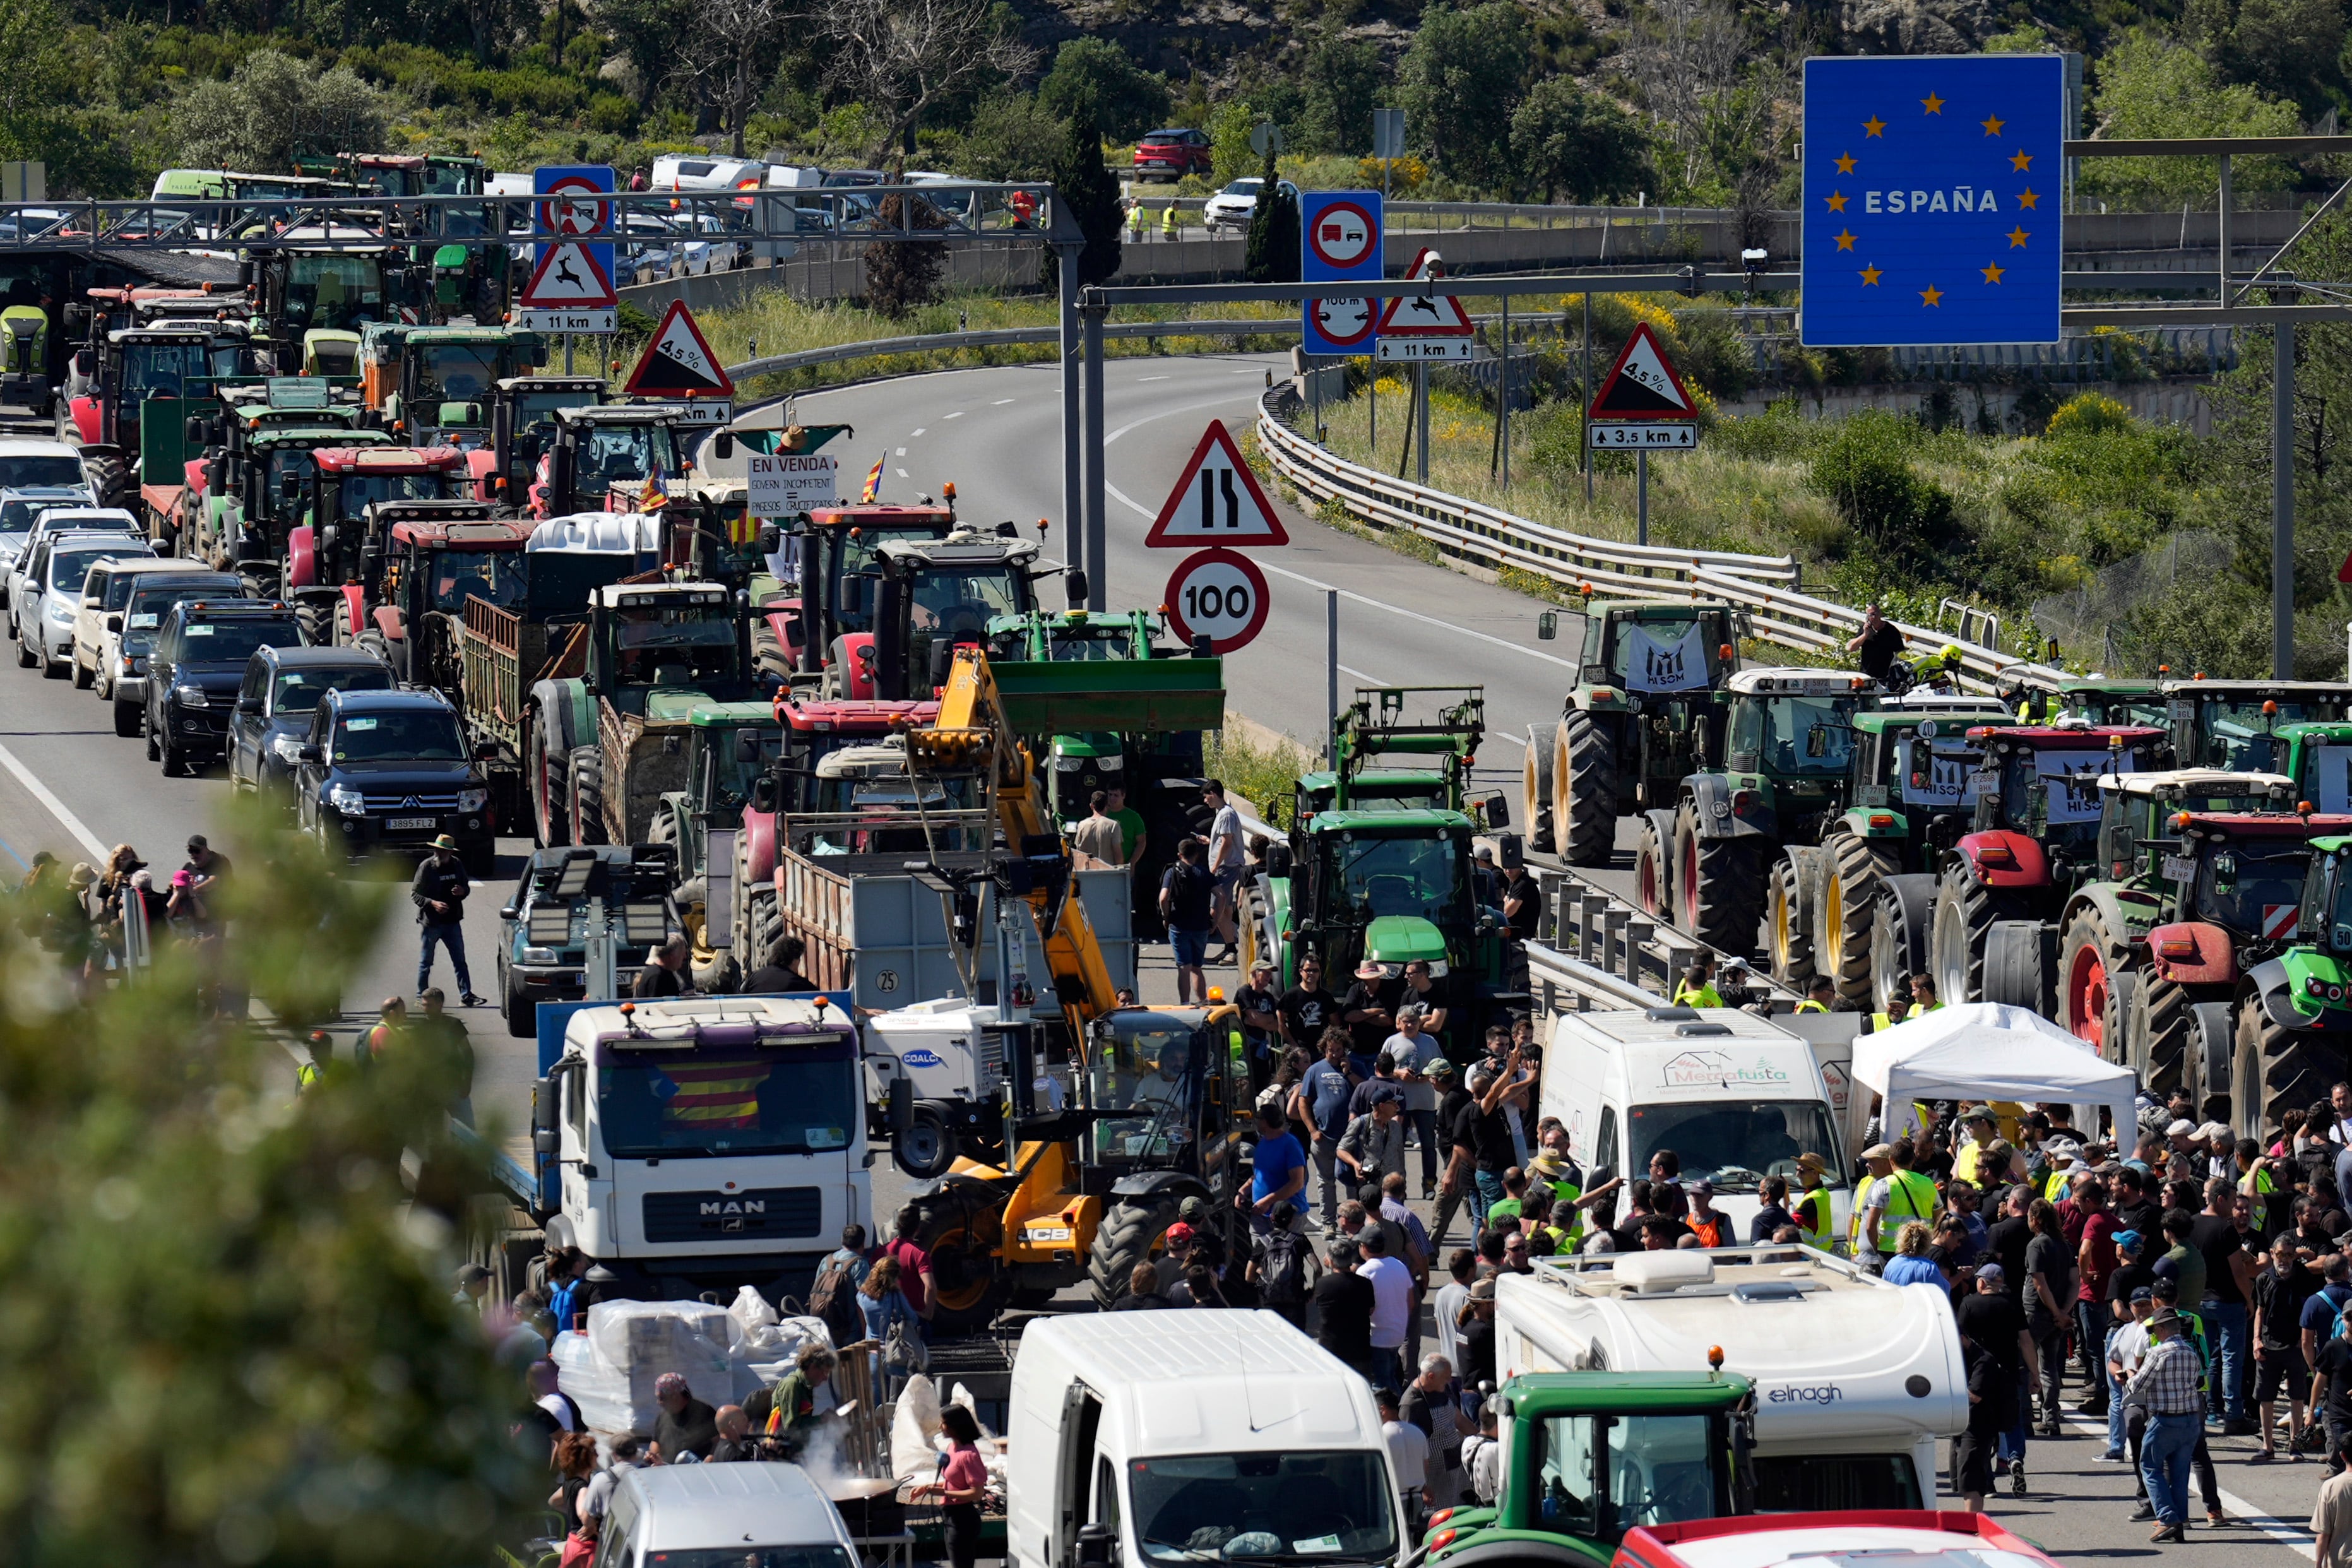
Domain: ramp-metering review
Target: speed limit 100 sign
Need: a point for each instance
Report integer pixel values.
(1219, 594)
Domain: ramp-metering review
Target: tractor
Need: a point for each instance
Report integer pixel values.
(522, 410)
(1646, 712)
(837, 573)
(933, 596)
(1705, 854)
(2031, 840)
(242, 494)
(430, 385)
(330, 545)
(608, 457)
(2234, 724)
(134, 386)
(2305, 996)
(2181, 963)
(424, 562)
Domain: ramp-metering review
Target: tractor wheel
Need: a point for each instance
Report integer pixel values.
(1852, 868)
(1654, 878)
(1131, 1233)
(2018, 962)
(586, 773)
(767, 652)
(550, 791)
(963, 1228)
(1535, 787)
(765, 921)
(1584, 793)
(2160, 1033)
(2088, 958)
(2277, 1071)
(2211, 1059)
(1898, 934)
(1788, 939)
(317, 624)
(2115, 1029)
(1965, 912)
(1721, 886)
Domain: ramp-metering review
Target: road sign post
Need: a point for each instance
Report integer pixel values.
(1642, 405)
(1220, 594)
(1933, 196)
(1339, 241)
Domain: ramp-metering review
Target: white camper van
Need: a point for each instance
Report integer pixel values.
(1855, 1379)
(1157, 1438)
(1735, 1097)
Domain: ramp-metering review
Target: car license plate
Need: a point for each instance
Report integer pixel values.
(403, 824)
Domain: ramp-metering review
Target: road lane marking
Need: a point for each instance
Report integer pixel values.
(912, 433)
(1141, 379)
(902, 451)
(903, 474)
(1506, 735)
(56, 808)
(1360, 675)
(1002, 401)
(957, 414)
(2280, 1532)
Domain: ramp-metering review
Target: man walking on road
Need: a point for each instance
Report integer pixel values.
(1185, 891)
(2166, 1387)
(439, 892)
(1228, 858)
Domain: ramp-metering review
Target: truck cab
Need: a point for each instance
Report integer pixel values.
(604, 458)
(703, 1143)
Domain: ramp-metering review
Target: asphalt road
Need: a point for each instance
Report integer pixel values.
(70, 785)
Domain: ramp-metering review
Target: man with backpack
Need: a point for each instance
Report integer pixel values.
(833, 1297)
(2327, 1351)
(1281, 1267)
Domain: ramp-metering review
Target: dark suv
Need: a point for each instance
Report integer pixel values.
(199, 660)
(1172, 154)
(282, 687)
(391, 770)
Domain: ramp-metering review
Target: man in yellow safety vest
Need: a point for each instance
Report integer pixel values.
(1813, 1210)
(1890, 1197)
(1819, 996)
(1697, 987)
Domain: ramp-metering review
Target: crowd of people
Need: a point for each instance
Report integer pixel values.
(103, 922)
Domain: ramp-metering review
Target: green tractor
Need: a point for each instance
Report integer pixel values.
(24, 358)
(2190, 961)
(727, 746)
(1646, 712)
(1705, 857)
(434, 385)
(1377, 880)
(1907, 804)
(2234, 724)
(257, 467)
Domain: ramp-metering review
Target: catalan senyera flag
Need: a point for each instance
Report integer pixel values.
(872, 483)
(743, 530)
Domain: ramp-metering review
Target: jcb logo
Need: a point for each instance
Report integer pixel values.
(735, 1207)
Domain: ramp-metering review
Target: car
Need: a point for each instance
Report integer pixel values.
(105, 595)
(391, 770)
(19, 510)
(61, 520)
(193, 676)
(1233, 206)
(282, 689)
(123, 680)
(51, 585)
(543, 929)
(30, 460)
(1172, 154)
(709, 1514)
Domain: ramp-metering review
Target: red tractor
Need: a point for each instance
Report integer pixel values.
(2033, 841)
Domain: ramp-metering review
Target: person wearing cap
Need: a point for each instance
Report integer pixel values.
(2279, 1296)
(1812, 1211)
(1890, 1197)
(2166, 1387)
(439, 892)
(1991, 1317)
(1373, 1143)
(2130, 1277)
(1406, 1057)
(1366, 1013)
(2062, 1155)
(1710, 1225)
(1260, 1002)
(1979, 1132)
(2126, 1349)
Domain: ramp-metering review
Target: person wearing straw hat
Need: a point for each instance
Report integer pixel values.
(2166, 1387)
(439, 892)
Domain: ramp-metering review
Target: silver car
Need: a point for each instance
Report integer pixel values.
(52, 586)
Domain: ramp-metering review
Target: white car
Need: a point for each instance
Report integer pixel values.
(710, 1514)
(51, 523)
(19, 510)
(105, 596)
(32, 460)
(1233, 206)
(52, 590)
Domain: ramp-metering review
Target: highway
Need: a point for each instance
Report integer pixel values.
(70, 785)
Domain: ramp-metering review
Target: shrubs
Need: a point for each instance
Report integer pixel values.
(1863, 469)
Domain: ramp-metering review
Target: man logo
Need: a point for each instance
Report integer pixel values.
(922, 1056)
(735, 1207)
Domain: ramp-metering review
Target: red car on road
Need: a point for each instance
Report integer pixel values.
(1172, 154)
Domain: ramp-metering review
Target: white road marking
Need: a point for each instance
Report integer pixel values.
(2294, 1537)
(1002, 401)
(957, 414)
(1141, 379)
(1252, 370)
(902, 451)
(1506, 735)
(56, 808)
(1360, 675)
(902, 473)
(912, 433)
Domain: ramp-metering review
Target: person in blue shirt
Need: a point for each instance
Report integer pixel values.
(1277, 1170)
(1911, 1265)
(1323, 1094)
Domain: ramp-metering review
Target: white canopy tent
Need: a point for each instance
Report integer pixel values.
(1983, 1050)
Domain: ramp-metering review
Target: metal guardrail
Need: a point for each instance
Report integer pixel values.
(1767, 586)
(1003, 337)
(1604, 950)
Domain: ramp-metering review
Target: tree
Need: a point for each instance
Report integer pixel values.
(1565, 138)
(1128, 100)
(1270, 253)
(728, 54)
(1011, 137)
(1459, 83)
(1230, 157)
(1086, 189)
(2288, 48)
(272, 108)
(903, 274)
(902, 57)
(1686, 61)
(645, 32)
(181, 1236)
(1342, 77)
(2150, 85)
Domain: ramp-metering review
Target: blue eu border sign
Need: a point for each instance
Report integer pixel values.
(1339, 240)
(1932, 200)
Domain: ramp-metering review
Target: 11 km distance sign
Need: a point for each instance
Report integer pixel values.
(1220, 594)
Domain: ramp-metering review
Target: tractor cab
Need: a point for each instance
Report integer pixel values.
(522, 410)
(608, 457)
(342, 290)
(648, 636)
(2038, 799)
(1165, 1091)
(2234, 724)
(1653, 650)
(2318, 757)
(433, 384)
(1789, 743)
(934, 597)
(864, 800)
(440, 557)
(329, 542)
(832, 559)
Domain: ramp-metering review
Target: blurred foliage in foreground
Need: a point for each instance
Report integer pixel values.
(225, 1329)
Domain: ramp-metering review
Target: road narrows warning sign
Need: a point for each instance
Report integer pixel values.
(1216, 501)
(677, 362)
(1643, 384)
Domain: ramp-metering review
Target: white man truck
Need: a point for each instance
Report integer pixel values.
(1855, 1379)
(1732, 1097)
(696, 1144)
(1148, 1439)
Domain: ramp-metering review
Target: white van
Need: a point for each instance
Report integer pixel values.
(722, 1513)
(1160, 1438)
(1735, 1097)
(1855, 1379)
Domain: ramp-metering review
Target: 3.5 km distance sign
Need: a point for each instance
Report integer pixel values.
(1217, 593)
